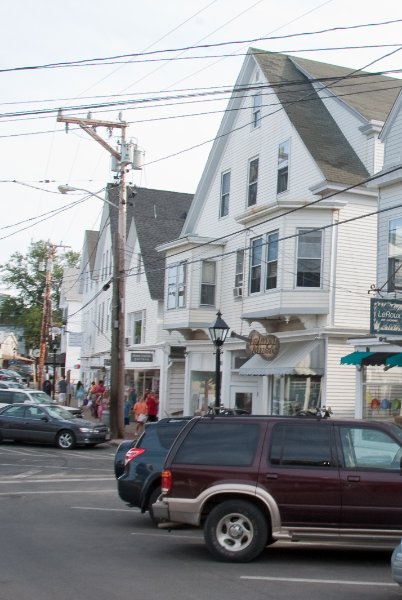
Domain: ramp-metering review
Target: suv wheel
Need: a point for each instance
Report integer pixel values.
(236, 531)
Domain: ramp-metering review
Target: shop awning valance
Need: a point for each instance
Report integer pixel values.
(355, 358)
(297, 358)
(367, 359)
(394, 360)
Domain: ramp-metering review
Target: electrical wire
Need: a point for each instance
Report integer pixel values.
(89, 61)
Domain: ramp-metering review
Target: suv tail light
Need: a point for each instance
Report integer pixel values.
(166, 484)
(133, 453)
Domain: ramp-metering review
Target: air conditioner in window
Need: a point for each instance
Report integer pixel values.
(237, 292)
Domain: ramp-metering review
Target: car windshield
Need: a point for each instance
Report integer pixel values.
(40, 398)
(58, 412)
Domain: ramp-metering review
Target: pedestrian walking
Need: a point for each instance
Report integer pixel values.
(47, 387)
(62, 389)
(79, 394)
(140, 415)
(152, 402)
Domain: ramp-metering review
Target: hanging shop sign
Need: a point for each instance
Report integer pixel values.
(266, 346)
(385, 316)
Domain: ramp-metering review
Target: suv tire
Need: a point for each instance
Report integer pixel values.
(236, 531)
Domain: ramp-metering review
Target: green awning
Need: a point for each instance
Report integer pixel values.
(355, 358)
(370, 359)
(395, 360)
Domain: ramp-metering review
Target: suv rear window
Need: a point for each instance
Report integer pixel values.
(301, 445)
(161, 435)
(234, 444)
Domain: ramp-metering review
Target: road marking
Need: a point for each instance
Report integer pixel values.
(169, 535)
(42, 467)
(63, 480)
(334, 581)
(106, 509)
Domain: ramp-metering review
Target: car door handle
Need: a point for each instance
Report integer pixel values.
(271, 476)
(353, 478)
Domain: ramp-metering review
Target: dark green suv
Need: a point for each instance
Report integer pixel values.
(250, 481)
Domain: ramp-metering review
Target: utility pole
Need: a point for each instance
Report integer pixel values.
(89, 125)
(47, 312)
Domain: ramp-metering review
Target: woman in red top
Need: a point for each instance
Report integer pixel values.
(152, 406)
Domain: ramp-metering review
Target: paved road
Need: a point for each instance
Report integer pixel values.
(66, 535)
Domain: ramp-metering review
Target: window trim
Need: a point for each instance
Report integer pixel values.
(178, 284)
(252, 184)
(256, 110)
(393, 258)
(264, 262)
(210, 285)
(300, 235)
(282, 166)
(224, 195)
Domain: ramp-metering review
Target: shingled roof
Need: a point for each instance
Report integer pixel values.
(158, 216)
(320, 133)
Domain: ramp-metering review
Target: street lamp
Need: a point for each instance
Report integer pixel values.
(218, 332)
(118, 317)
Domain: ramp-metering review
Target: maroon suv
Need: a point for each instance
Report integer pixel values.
(250, 481)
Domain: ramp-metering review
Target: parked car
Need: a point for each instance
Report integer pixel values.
(42, 423)
(138, 465)
(10, 375)
(6, 385)
(12, 395)
(396, 563)
(250, 481)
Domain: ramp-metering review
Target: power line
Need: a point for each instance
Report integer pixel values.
(90, 61)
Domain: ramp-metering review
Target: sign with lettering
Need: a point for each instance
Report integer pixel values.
(266, 346)
(385, 316)
(141, 357)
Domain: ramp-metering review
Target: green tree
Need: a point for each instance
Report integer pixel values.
(25, 276)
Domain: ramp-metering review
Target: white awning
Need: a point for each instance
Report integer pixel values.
(294, 358)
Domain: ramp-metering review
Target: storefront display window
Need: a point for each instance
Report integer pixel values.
(202, 390)
(382, 393)
(292, 393)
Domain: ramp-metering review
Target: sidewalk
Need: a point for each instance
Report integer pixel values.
(128, 429)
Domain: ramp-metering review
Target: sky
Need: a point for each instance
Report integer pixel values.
(160, 92)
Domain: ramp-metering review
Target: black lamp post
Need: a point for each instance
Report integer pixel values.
(218, 332)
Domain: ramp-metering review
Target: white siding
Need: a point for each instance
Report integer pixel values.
(340, 380)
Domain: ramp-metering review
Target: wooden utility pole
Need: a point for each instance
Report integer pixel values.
(47, 312)
(119, 281)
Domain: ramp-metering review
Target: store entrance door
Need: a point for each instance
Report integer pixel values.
(242, 397)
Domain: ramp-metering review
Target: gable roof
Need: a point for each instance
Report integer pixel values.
(318, 130)
(158, 217)
(371, 95)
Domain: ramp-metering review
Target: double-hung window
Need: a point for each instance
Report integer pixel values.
(395, 255)
(239, 268)
(309, 258)
(256, 111)
(225, 194)
(137, 327)
(208, 283)
(176, 286)
(252, 182)
(272, 261)
(255, 265)
(264, 263)
(283, 167)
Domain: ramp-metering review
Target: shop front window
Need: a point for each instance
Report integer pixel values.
(382, 393)
(202, 391)
(292, 393)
